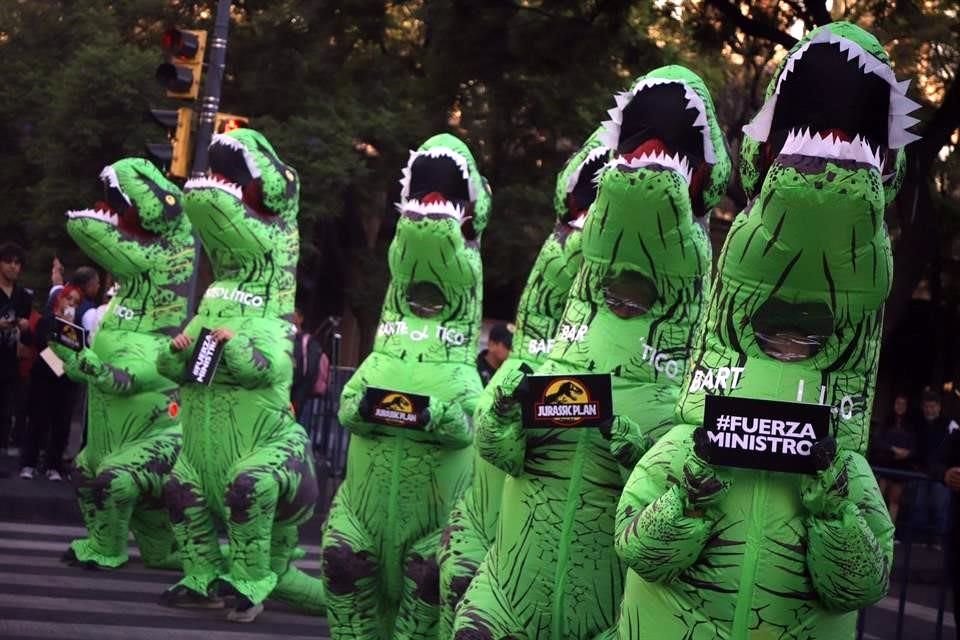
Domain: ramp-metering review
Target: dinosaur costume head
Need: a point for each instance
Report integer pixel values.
(798, 305)
(646, 252)
(835, 86)
(542, 301)
(433, 302)
(245, 212)
(138, 232)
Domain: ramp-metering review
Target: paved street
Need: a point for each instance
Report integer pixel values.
(42, 598)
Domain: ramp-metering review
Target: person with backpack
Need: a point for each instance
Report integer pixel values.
(310, 374)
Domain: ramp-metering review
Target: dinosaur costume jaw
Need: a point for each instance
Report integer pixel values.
(248, 199)
(139, 209)
(581, 187)
(836, 84)
(852, 81)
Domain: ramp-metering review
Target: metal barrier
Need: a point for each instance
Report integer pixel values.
(907, 535)
(329, 439)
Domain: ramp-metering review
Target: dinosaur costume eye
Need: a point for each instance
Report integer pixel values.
(791, 332)
(425, 299)
(629, 294)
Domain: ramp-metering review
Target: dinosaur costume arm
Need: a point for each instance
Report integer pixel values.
(663, 523)
(171, 364)
(627, 443)
(256, 361)
(137, 374)
(850, 548)
(446, 423)
(501, 440)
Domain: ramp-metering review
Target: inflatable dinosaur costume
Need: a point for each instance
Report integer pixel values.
(139, 234)
(552, 571)
(473, 522)
(245, 461)
(795, 315)
(384, 528)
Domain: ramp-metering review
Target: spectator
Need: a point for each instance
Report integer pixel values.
(947, 471)
(51, 395)
(87, 280)
(894, 448)
(498, 349)
(306, 359)
(932, 502)
(15, 306)
(99, 312)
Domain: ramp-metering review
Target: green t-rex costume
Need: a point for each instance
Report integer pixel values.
(381, 537)
(552, 571)
(795, 315)
(139, 234)
(473, 522)
(245, 461)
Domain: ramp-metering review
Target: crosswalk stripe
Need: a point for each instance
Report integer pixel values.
(43, 598)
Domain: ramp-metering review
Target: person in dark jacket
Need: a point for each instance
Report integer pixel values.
(932, 504)
(947, 470)
(895, 447)
(499, 344)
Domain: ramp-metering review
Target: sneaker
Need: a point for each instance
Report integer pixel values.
(26, 473)
(181, 596)
(244, 611)
(54, 476)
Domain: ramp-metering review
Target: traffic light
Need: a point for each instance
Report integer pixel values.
(173, 155)
(180, 74)
(227, 122)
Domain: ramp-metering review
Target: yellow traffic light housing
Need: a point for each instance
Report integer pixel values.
(227, 122)
(180, 75)
(175, 154)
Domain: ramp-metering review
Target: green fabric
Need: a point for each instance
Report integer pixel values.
(385, 524)
(133, 427)
(552, 571)
(473, 521)
(245, 461)
(734, 553)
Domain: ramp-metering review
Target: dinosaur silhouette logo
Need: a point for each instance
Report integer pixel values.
(397, 409)
(565, 402)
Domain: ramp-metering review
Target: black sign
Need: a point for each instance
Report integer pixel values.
(205, 359)
(562, 401)
(68, 334)
(395, 408)
(764, 434)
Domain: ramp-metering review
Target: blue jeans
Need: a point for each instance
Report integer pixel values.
(931, 508)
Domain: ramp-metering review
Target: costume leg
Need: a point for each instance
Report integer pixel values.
(351, 572)
(150, 522)
(107, 499)
(420, 598)
(462, 548)
(483, 615)
(193, 526)
(296, 588)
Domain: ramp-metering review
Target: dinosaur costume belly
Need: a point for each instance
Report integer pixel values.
(795, 315)
(245, 461)
(473, 522)
(385, 524)
(552, 571)
(137, 232)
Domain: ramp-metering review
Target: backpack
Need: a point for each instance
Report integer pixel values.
(323, 367)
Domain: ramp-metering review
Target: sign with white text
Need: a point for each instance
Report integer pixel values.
(764, 434)
(205, 359)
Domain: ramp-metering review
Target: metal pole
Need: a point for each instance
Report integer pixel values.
(209, 105)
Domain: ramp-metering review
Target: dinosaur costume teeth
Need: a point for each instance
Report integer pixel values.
(245, 461)
(473, 521)
(551, 571)
(676, 162)
(139, 234)
(381, 537)
(898, 120)
(795, 315)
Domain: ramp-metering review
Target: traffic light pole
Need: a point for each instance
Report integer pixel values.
(209, 105)
(213, 80)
